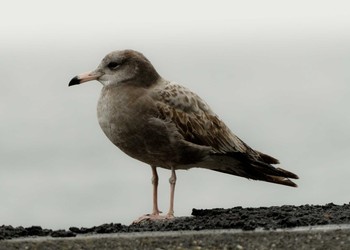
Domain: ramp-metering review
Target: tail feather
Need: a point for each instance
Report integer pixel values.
(267, 158)
(236, 164)
(259, 176)
(280, 180)
(288, 174)
(268, 169)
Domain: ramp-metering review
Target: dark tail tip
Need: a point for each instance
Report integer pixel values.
(268, 159)
(288, 174)
(280, 180)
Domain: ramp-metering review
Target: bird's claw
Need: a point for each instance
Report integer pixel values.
(153, 217)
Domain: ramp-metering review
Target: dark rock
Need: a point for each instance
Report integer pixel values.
(290, 222)
(76, 230)
(62, 233)
(109, 228)
(268, 218)
(37, 231)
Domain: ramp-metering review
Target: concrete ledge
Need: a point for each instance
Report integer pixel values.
(276, 227)
(329, 237)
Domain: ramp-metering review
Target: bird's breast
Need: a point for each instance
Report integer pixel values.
(131, 122)
(117, 113)
(123, 117)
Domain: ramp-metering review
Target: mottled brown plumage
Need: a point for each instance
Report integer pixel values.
(166, 125)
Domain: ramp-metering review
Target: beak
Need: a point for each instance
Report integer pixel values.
(85, 77)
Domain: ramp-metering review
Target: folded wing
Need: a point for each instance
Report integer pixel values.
(198, 124)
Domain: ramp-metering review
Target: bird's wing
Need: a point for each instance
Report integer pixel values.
(196, 122)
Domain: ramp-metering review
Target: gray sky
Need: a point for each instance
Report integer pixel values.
(276, 72)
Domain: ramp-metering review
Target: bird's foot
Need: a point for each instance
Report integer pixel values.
(153, 217)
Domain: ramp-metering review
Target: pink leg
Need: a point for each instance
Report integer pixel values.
(155, 215)
(172, 182)
(155, 211)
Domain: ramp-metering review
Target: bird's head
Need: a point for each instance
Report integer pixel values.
(121, 67)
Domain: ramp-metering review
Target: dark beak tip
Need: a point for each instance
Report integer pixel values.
(74, 81)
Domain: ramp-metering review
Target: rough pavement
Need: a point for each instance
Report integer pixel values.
(266, 219)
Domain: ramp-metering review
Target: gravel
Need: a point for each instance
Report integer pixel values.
(255, 224)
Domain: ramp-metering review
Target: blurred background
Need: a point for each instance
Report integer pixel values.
(277, 72)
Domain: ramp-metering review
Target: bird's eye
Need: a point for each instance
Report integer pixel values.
(113, 65)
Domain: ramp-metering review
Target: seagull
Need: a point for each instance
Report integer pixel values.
(164, 124)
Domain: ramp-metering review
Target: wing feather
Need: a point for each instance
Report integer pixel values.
(196, 122)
